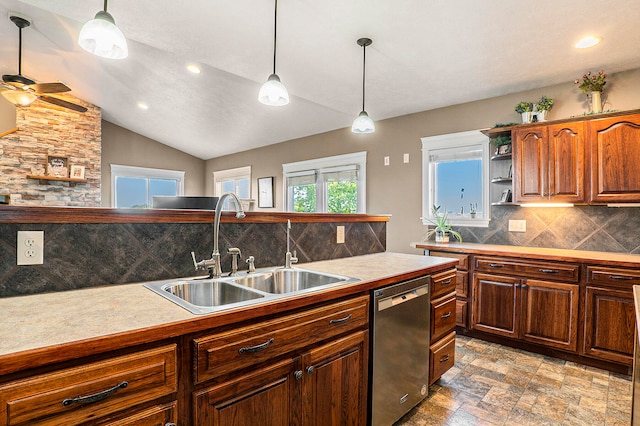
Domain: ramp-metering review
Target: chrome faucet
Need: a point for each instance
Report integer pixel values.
(289, 259)
(213, 264)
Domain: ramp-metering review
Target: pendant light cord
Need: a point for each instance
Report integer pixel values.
(275, 34)
(20, 51)
(105, 5)
(364, 61)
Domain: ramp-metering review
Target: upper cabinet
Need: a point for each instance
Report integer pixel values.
(615, 159)
(549, 163)
(587, 160)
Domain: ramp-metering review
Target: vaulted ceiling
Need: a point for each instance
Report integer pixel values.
(425, 55)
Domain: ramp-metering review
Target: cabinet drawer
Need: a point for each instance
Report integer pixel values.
(443, 283)
(443, 316)
(567, 272)
(614, 276)
(160, 415)
(442, 356)
(463, 259)
(223, 353)
(88, 392)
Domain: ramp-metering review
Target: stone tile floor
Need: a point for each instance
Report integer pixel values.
(492, 384)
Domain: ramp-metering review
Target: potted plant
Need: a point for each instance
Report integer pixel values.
(503, 144)
(592, 85)
(441, 229)
(525, 108)
(542, 107)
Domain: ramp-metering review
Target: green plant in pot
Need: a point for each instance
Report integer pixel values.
(441, 229)
(542, 107)
(502, 144)
(525, 109)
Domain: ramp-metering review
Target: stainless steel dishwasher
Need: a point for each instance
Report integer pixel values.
(400, 349)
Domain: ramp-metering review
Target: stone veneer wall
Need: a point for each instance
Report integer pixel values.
(592, 228)
(44, 129)
(79, 255)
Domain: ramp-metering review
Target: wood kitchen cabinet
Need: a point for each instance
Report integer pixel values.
(443, 321)
(462, 283)
(496, 304)
(548, 163)
(306, 368)
(615, 159)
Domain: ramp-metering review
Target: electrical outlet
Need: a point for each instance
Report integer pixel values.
(518, 225)
(30, 248)
(340, 234)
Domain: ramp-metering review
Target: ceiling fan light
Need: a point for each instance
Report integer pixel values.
(273, 92)
(19, 98)
(363, 124)
(101, 37)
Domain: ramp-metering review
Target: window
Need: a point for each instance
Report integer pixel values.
(236, 180)
(134, 187)
(455, 176)
(326, 185)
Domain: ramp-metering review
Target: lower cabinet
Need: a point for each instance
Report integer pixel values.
(323, 386)
(443, 321)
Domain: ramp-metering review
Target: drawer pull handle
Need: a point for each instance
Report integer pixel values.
(444, 358)
(549, 271)
(620, 277)
(496, 265)
(445, 282)
(256, 348)
(95, 397)
(445, 316)
(341, 320)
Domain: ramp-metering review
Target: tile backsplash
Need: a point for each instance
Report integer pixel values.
(592, 228)
(81, 255)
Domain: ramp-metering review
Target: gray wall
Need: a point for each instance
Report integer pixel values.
(396, 189)
(124, 147)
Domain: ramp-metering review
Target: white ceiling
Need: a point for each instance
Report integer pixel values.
(425, 55)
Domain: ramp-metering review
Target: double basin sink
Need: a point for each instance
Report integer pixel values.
(206, 295)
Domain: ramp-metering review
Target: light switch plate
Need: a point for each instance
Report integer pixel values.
(405, 157)
(30, 248)
(518, 225)
(386, 161)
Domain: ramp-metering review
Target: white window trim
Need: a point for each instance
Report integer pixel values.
(451, 140)
(144, 172)
(237, 173)
(319, 165)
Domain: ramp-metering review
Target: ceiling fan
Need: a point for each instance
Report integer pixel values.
(22, 91)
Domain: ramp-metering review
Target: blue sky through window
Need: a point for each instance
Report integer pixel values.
(459, 184)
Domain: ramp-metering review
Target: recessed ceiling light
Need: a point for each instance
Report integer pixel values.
(193, 68)
(143, 106)
(587, 42)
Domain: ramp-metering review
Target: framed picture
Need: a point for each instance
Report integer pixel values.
(77, 172)
(265, 192)
(57, 166)
(506, 196)
(510, 176)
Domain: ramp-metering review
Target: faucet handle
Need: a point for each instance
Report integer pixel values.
(234, 251)
(195, 262)
(294, 258)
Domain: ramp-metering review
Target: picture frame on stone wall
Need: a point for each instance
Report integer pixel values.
(57, 166)
(77, 172)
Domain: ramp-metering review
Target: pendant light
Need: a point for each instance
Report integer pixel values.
(363, 123)
(101, 37)
(273, 92)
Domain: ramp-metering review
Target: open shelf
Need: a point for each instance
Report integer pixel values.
(501, 179)
(44, 180)
(501, 157)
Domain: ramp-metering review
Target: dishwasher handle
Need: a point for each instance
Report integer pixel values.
(398, 299)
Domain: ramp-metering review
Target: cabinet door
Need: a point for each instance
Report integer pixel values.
(609, 324)
(615, 159)
(335, 382)
(566, 162)
(268, 396)
(496, 304)
(550, 314)
(530, 163)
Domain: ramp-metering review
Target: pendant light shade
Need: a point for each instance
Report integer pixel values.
(101, 37)
(273, 92)
(19, 98)
(363, 123)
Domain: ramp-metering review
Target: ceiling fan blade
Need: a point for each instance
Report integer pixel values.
(62, 103)
(57, 87)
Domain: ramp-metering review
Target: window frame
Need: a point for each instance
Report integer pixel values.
(236, 174)
(472, 139)
(327, 164)
(119, 170)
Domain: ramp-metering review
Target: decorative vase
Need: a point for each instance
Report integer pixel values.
(526, 117)
(442, 237)
(596, 102)
(541, 115)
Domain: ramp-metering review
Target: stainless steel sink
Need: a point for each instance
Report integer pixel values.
(289, 280)
(205, 296)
